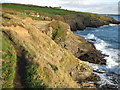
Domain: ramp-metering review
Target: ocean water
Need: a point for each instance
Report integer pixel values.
(106, 39)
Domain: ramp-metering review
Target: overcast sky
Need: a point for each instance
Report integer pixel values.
(95, 6)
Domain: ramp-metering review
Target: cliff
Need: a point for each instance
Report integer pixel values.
(46, 53)
(82, 20)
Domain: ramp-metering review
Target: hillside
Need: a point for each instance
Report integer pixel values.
(76, 20)
(45, 63)
(42, 51)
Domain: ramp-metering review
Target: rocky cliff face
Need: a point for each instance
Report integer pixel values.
(82, 20)
(60, 32)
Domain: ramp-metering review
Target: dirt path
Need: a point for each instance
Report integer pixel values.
(20, 66)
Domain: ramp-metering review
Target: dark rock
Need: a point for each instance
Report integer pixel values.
(81, 21)
(93, 78)
(93, 57)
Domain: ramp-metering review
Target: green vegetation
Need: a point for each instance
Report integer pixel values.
(59, 31)
(8, 63)
(23, 7)
(49, 13)
(32, 79)
(41, 10)
(40, 18)
(62, 60)
(38, 73)
(52, 11)
(53, 67)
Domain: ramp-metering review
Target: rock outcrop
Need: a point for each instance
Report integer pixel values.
(80, 21)
(60, 32)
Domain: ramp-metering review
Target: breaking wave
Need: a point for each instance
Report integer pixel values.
(111, 54)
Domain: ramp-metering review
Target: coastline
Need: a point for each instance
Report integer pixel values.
(60, 47)
(108, 73)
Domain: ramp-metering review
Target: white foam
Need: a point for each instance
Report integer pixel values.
(104, 80)
(108, 25)
(104, 26)
(112, 64)
(113, 24)
(100, 71)
(97, 68)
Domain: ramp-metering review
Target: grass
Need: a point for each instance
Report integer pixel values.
(53, 67)
(21, 7)
(62, 60)
(32, 79)
(59, 32)
(38, 9)
(40, 18)
(45, 70)
(8, 63)
(41, 76)
(52, 13)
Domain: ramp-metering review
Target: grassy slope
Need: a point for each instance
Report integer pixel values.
(44, 12)
(48, 65)
(8, 63)
(50, 11)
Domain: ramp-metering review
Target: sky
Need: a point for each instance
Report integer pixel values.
(94, 6)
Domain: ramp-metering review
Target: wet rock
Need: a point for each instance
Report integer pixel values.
(108, 87)
(111, 82)
(93, 78)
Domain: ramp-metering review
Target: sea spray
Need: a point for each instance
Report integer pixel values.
(111, 54)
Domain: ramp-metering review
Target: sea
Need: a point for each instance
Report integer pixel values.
(106, 39)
